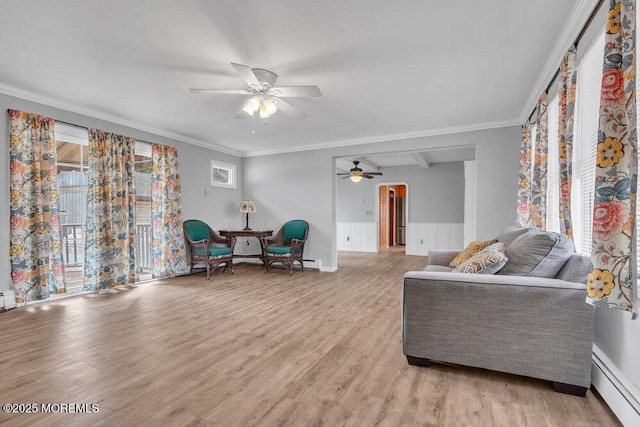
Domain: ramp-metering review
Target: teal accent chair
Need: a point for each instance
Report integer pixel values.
(207, 247)
(287, 246)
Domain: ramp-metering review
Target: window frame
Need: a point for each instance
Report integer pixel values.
(230, 169)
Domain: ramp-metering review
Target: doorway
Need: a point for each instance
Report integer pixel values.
(392, 215)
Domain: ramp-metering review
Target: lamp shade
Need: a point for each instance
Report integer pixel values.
(247, 206)
(356, 178)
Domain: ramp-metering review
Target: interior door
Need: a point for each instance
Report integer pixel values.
(392, 217)
(384, 210)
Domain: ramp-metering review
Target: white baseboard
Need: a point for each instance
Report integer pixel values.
(328, 269)
(617, 391)
(310, 264)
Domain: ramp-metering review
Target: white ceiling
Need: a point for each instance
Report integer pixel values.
(386, 69)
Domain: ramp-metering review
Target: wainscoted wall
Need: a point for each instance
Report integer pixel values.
(421, 237)
(357, 236)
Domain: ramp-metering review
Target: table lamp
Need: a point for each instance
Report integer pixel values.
(247, 207)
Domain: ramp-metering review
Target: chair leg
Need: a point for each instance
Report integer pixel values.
(208, 270)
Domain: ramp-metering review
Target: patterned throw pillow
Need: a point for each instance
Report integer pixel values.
(487, 261)
(472, 249)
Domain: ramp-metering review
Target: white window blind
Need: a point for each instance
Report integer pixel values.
(553, 169)
(585, 143)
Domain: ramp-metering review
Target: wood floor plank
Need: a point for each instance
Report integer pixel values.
(261, 349)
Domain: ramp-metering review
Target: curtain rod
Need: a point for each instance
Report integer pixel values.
(86, 128)
(594, 12)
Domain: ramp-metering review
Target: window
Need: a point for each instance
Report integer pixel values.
(585, 143)
(73, 158)
(553, 168)
(223, 174)
(72, 165)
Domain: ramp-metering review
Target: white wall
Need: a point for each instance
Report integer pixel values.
(217, 209)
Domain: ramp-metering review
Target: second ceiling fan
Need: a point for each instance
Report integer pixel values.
(356, 174)
(266, 97)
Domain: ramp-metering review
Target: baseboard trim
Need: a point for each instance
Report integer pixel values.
(370, 251)
(617, 391)
(328, 269)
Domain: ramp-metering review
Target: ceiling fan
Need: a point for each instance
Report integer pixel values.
(266, 98)
(356, 174)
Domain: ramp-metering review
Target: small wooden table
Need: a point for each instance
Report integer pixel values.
(259, 234)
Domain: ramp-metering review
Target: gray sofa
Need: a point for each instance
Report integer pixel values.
(538, 327)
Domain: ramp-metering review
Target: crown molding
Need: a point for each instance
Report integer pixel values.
(385, 138)
(88, 111)
(579, 15)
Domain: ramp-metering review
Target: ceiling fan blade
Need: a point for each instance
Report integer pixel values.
(222, 91)
(373, 173)
(247, 74)
(345, 177)
(367, 176)
(289, 109)
(343, 173)
(295, 91)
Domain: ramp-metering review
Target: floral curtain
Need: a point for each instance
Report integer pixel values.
(567, 100)
(35, 246)
(168, 248)
(110, 236)
(612, 283)
(523, 215)
(539, 180)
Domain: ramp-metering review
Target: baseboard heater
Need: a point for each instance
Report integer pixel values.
(7, 299)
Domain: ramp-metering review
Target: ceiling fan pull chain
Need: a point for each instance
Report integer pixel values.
(253, 124)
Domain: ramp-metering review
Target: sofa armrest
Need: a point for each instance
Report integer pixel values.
(441, 256)
(537, 327)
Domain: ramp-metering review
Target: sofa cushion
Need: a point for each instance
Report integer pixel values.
(471, 249)
(537, 253)
(487, 261)
(509, 234)
(576, 269)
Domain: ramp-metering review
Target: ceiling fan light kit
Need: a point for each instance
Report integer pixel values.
(265, 96)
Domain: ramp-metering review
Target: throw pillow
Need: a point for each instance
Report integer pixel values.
(487, 261)
(537, 253)
(471, 249)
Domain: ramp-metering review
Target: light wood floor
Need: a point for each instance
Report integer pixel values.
(258, 349)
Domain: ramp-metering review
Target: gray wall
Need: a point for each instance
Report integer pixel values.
(218, 208)
(436, 194)
(304, 183)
